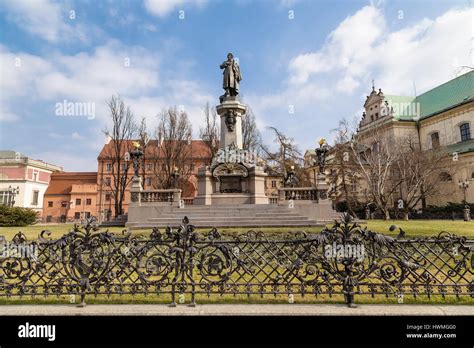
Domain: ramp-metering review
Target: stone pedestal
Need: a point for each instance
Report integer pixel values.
(135, 190)
(231, 111)
(467, 213)
(205, 186)
(253, 189)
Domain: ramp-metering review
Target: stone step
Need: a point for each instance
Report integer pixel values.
(209, 224)
(234, 219)
(198, 215)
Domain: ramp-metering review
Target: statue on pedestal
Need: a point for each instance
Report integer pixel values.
(232, 77)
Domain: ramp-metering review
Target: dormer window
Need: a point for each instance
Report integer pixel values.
(465, 132)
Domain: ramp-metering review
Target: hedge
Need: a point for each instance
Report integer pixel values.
(16, 216)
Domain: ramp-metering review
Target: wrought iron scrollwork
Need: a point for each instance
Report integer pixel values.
(344, 259)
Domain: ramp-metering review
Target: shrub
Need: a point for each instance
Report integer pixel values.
(16, 216)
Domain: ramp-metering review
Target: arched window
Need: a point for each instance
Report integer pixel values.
(445, 177)
(465, 132)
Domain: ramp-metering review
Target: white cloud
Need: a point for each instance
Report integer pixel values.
(347, 48)
(362, 47)
(46, 19)
(162, 8)
(92, 78)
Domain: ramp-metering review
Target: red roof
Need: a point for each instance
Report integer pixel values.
(61, 183)
(199, 149)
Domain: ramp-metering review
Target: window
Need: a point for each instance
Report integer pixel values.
(124, 167)
(107, 197)
(472, 175)
(109, 167)
(354, 185)
(88, 201)
(64, 204)
(6, 198)
(49, 218)
(465, 132)
(107, 181)
(148, 181)
(192, 167)
(149, 166)
(78, 201)
(50, 204)
(35, 198)
(377, 115)
(88, 215)
(445, 177)
(274, 183)
(375, 147)
(434, 140)
(77, 216)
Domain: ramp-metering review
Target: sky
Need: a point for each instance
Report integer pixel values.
(305, 64)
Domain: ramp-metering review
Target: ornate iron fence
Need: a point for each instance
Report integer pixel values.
(344, 259)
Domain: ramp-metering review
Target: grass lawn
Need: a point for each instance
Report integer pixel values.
(413, 228)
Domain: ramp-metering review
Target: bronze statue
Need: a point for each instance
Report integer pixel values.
(232, 77)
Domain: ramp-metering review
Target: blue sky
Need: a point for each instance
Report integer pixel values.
(317, 58)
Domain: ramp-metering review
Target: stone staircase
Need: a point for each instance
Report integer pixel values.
(244, 215)
(119, 221)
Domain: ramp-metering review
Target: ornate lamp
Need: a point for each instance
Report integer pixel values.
(291, 180)
(321, 154)
(464, 185)
(135, 156)
(175, 177)
(13, 192)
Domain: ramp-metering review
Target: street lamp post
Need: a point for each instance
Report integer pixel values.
(321, 154)
(12, 192)
(174, 178)
(464, 185)
(136, 156)
(291, 179)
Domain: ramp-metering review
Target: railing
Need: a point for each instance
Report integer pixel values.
(151, 196)
(342, 260)
(273, 200)
(301, 194)
(188, 201)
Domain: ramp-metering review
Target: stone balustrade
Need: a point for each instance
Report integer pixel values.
(157, 196)
(301, 194)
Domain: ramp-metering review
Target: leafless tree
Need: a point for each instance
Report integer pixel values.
(251, 138)
(174, 148)
(144, 141)
(376, 164)
(419, 173)
(287, 155)
(123, 130)
(343, 171)
(210, 133)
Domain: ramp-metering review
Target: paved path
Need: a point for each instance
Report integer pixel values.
(229, 309)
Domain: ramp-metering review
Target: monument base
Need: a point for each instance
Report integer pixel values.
(210, 189)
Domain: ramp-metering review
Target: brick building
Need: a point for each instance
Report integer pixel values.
(155, 161)
(70, 197)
